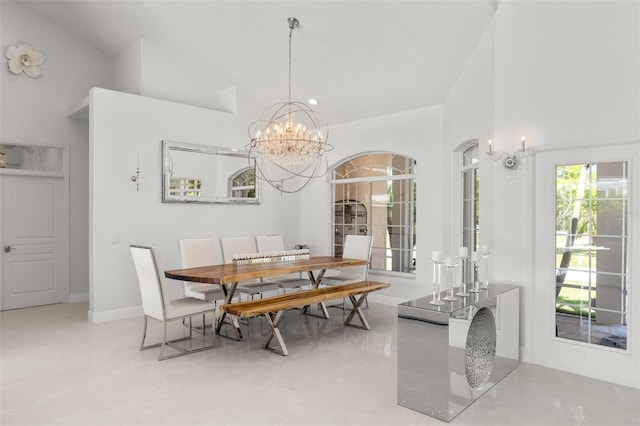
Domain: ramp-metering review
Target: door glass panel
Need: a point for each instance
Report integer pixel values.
(591, 253)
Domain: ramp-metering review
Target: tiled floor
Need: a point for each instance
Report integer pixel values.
(57, 368)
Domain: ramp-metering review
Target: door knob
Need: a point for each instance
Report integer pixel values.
(7, 249)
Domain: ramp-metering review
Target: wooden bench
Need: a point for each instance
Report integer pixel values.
(273, 308)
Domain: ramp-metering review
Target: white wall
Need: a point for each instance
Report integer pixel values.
(565, 75)
(125, 125)
(34, 111)
(468, 115)
(415, 133)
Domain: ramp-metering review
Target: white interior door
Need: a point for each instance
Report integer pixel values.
(586, 351)
(32, 272)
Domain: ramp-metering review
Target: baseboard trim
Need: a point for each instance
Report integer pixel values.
(78, 297)
(624, 381)
(116, 314)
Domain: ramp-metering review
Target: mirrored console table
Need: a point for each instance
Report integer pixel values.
(450, 355)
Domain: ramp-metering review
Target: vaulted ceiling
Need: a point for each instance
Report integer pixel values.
(358, 58)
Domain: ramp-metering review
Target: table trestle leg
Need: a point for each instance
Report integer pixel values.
(228, 293)
(315, 283)
(357, 302)
(273, 319)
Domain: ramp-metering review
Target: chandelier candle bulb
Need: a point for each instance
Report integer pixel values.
(436, 255)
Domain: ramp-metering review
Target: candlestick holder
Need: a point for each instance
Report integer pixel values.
(449, 280)
(475, 286)
(484, 271)
(437, 274)
(462, 290)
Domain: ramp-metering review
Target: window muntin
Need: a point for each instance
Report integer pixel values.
(375, 194)
(591, 253)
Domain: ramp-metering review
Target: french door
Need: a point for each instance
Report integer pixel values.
(587, 293)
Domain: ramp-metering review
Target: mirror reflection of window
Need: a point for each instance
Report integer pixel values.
(591, 253)
(243, 184)
(187, 187)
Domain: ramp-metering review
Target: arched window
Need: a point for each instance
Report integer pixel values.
(375, 194)
(243, 183)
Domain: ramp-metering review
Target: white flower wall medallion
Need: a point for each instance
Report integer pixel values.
(23, 58)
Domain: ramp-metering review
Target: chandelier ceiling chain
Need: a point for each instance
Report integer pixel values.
(289, 141)
(293, 23)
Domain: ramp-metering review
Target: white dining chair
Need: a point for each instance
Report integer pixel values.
(242, 245)
(271, 243)
(200, 252)
(157, 304)
(355, 247)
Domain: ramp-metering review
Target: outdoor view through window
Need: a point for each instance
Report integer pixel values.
(591, 253)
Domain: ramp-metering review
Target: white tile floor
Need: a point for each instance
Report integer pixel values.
(57, 368)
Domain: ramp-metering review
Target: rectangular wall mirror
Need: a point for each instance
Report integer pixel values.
(194, 173)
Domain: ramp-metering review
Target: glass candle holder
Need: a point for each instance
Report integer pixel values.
(462, 289)
(475, 285)
(449, 273)
(437, 274)
(484, 271)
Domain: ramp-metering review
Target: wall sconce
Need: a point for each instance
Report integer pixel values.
(136, 177)
(508, 161)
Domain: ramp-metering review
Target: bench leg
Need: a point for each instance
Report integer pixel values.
(357, 302)
(274, 320)
(323, 310)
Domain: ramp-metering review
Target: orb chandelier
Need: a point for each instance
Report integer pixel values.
(289, 141)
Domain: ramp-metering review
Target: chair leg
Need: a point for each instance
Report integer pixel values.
(182, 351)
(164, 338)
(144, 333)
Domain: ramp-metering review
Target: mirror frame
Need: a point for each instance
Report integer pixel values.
(168, 146)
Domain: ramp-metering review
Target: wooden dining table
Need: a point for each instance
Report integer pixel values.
(228, 276)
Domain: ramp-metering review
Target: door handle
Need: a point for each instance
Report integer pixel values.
(8, 249)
